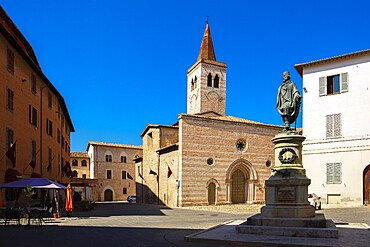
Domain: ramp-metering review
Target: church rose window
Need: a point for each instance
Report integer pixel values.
(210, 161)
(241, 145)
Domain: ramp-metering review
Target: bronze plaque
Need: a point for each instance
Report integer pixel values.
(286, 194)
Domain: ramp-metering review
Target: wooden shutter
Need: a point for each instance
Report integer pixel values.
(337, 124)
(329, 173)
(329, 126)
(322, 86)
(344, 82)
(337, 179)
(30, 114)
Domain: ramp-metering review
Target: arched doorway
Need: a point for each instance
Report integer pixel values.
(238, 187)
(241, 182)
(108, 195)
(366, 180)
(212, 193)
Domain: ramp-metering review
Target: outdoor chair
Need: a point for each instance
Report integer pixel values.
(35, 215)
(47, 214)
(12, 214)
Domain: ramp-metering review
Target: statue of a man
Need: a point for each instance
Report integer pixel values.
(288, 101)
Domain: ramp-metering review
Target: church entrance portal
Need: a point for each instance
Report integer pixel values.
(367, 185)
(238, 187)
(211, 193)
(108, 195)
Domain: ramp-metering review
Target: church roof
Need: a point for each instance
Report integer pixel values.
(158, 126)
(206, 48)
(230, 119)
(299, 67)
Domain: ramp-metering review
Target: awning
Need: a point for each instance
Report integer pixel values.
(36, 183)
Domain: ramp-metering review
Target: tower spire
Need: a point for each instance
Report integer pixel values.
(206, 48)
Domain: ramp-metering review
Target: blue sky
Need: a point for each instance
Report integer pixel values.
(121, 65)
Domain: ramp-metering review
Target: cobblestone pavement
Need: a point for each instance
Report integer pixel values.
(123, 224)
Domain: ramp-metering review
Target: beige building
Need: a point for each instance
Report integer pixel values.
(112, 165)
(80, 164)
(207, 157)
(35, 124)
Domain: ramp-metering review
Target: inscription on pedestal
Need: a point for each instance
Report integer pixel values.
(286, 194)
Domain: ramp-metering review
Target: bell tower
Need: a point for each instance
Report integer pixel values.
(206, 81)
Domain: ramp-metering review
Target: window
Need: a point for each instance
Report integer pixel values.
(62, 142)
(333, 84)
(334, 173)
(123, 159)
(50, 159)
(74, 162)
(216, 81)
(84, 176)
(32, 115)
(62, 122)
(66, 146)
(9, 138)
(49, 127)
(83, 163)
(109, 174)
(58, 112)
(333, 126)
(108, 158)
(150, 139)
(33, 84)
(58, 135)
(124, 175)
(124, 191)
(10, 61)
(10, 100)
(209, 80)
(33, 151)
(50, 100)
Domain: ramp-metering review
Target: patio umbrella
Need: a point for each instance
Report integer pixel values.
(69, 202)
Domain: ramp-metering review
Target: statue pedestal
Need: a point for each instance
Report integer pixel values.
(287, 211)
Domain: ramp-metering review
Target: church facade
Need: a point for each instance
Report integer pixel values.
(206, 157)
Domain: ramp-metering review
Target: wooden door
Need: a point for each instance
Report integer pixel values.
(367, 185)
(108, 195)
(211, 193)
(238, 187)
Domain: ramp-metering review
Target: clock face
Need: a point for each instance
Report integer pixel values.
(241, 145)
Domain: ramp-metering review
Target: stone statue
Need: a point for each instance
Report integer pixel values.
(288, 101)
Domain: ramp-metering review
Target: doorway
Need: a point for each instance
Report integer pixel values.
(212, 193)
(366, 180)
(238, 187)
(108, 195)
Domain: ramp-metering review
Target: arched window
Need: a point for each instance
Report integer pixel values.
(74, 162)
(195, 82)
(108, 156)
(216, 81)
(209, 80)
(123, 159)
(192, 84)
(83, 163)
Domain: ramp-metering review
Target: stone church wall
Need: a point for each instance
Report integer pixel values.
(204, 138)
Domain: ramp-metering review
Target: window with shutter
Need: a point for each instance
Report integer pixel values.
(334, 173)
(344, 82)
(322, 85)
(333, 126)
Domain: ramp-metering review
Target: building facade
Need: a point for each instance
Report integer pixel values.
(80, 165)
(207, 157)
(35, 124)
(113, 166)
(336, 106)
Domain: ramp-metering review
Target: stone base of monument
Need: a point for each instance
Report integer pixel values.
(316, 227)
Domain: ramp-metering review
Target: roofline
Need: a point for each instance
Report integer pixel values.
(206, 61)
(155, 126)
(229, 121)
(107, 144)
(299, 67)
(38, 71)
(168, 148)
